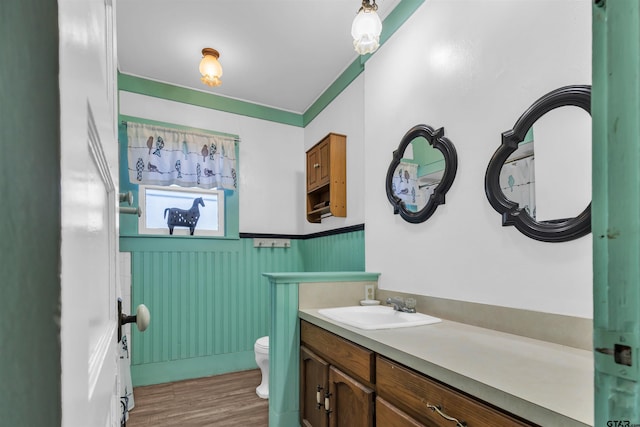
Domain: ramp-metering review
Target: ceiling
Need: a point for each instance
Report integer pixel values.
(279, 53)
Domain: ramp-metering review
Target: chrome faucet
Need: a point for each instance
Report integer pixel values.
(399, 305)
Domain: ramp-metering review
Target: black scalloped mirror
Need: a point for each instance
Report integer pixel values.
(519, 213)
(421, 172)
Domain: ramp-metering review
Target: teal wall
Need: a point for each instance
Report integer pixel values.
(209, 301)
(30, 371)
(338, 252)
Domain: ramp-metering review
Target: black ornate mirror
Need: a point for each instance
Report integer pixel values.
(421, 172)
(515, 158)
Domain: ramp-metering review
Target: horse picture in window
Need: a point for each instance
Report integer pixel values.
(184, 218)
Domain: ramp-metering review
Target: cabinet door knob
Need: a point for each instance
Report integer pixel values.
(316, 165)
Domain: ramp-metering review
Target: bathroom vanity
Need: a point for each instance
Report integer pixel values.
(341, 383)
(430, 375)
(413, 376)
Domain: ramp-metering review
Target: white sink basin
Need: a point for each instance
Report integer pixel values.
(376, 317)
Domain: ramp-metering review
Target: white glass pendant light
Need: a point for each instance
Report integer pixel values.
(366, 28)
(210, 67)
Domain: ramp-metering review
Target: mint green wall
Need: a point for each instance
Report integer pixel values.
(209, 301)
(30, 228)
(338, 252)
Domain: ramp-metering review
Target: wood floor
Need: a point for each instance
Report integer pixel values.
(227, 400)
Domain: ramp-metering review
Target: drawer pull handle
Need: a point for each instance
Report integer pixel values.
(436, 408)
(327, 403)
(319, 397)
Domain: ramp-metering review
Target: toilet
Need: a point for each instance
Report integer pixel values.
(261, 349)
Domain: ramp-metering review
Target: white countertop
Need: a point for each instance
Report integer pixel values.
(548, 384)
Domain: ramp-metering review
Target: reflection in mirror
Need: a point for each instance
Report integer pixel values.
(562, 190)
(563, 187)
(517, 176)
(421, 172)
(543, 192)
(418, 174)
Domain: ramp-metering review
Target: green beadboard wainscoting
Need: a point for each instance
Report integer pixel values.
(209, 301)
(334, 252)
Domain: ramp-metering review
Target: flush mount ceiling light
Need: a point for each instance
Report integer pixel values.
(210, 67)
(366, 28)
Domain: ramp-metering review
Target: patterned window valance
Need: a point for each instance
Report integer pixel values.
(164, 156)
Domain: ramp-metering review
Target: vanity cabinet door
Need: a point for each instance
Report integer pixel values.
(350, 402)
(388, 415)
(314, 376)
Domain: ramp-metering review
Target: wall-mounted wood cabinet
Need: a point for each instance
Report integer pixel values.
(327, 178)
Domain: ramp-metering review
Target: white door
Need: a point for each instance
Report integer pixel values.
(89, 220)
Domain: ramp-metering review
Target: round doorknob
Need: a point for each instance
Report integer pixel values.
(143, 317)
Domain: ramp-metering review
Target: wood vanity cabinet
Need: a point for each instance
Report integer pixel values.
(367, 389)
(327, 178)
(336, 380)
(423, 401)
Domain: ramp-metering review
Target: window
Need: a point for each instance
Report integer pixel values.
(176, 207)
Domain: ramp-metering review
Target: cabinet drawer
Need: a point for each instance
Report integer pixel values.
(414, 394)
(388, 415)
(356, 360)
